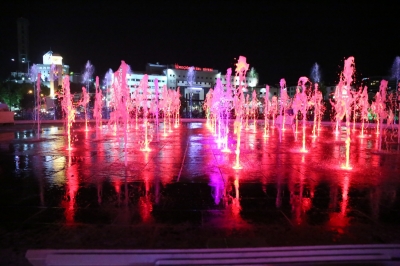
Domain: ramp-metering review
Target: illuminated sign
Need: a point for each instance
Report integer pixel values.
(195, 68)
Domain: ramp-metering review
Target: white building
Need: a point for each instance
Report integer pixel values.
(52, 70)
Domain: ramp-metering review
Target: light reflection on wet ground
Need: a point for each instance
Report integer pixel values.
(185, 193)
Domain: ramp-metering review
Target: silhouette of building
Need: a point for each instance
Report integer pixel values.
(373, 83)
(23, 44)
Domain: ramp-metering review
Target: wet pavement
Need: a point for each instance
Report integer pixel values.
(184, 193)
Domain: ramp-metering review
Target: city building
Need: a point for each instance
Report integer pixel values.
(23, 44)
(52, 70)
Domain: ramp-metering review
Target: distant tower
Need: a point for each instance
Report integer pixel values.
(23, 44)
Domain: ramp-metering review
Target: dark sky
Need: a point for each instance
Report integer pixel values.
(280, 40)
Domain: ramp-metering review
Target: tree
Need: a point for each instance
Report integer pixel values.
(44, 90)
(11, 93)
(20, 95)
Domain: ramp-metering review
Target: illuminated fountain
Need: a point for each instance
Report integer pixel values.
(396, 76)
(176, 107)
(86, 79)
(284, 103)
(267, 110)
(189, 161)
(98, 105)
(355, 95)
(227, 107)
(170, 111)
(156, 109)
(344, 100)
(84, 102)
(296, 106)
(303, 109)
(38, 101)
(108, 79)
(274, 108)
(247, 111)
(337, 106)
(216, 109)
(315, 74)
(254, 108)
(164, 108)
(120, 101)
(207, 107)
(220, 104)
(169, 101)
(379, 108)
(170, 108)
(190, 80)
(87, 75)
(68, 109)
(317, 99)
(319, 108)
(136, 100)
(217, 106)
(363, 107)
(241, 69)
(145, 93)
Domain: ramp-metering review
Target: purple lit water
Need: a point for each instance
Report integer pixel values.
(38, 101)
(98, 106)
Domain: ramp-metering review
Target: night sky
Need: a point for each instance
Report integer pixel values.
(280, 40)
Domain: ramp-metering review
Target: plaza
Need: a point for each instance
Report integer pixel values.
(185, 194)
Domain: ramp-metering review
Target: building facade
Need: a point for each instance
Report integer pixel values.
(52, 70)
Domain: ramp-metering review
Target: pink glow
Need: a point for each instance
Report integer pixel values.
(266, 112)
(254, 106)
(120, 103)
(145, 93)
(284, 102)
(71, 191)
(98, 106)
(238, 102)
(317, 101)
(84, 102)
(303, 108)
(343, 101)
(68, 109)
(38, 100)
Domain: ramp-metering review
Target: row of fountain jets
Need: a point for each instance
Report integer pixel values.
(221, 101)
